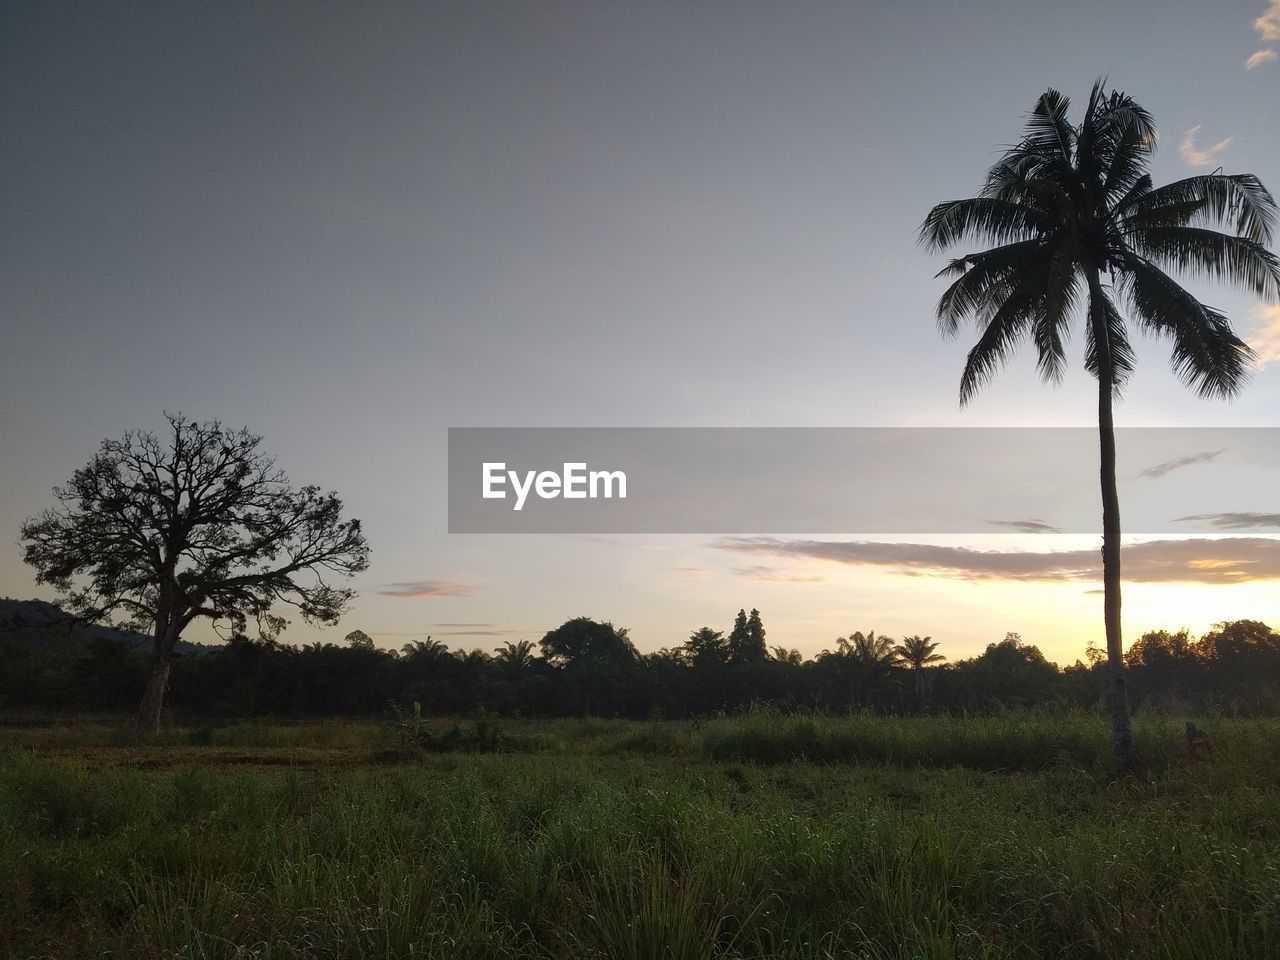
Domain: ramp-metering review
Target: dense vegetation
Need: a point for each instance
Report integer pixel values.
(758, 836)
(588, 668)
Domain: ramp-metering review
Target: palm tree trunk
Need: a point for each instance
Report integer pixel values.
(1121, 732)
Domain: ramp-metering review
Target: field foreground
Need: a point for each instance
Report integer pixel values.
(763, 836)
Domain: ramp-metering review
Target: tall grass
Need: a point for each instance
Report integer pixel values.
(758, 837)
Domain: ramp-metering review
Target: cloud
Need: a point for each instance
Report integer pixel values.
(1233, 521)
(774, 575)
(1230, 560)
(475, 633)
(694, 573)
(1268, 25)
(1265, 340)
(416, 589)
(1259, 57)
(1196, 157)
(438, 630)
(1026, 526)
(1166, 468)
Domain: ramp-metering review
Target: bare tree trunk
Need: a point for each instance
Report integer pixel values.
(153, 697)
(1121, 732)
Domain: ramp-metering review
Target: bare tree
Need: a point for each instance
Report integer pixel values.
(200, 525)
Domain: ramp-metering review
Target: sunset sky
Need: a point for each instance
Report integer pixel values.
(353, 227)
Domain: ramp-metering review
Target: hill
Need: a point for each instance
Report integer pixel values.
(40, 625)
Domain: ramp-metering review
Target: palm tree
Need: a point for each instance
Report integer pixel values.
(1074, 221)
(793, 658)
(917, 653)
(516, 657)
(427, 650)
(872, 658)
(869, 648)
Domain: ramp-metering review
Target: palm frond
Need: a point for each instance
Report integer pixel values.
(980, 219)
(1022, 178)
(1219, 256)
(1141, 187)
(1126, 164)
(1105, 320)
(984, 278)
(1239, 200)
(1163, 215)
(1057, 305)
(999, 340)
(1207, 355)
(1049, 131)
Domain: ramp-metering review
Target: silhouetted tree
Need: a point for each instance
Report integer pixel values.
(1166, 669)
(918, 653)
(756, 648)
(706, 648)
(739, 638)
(359, 640)
(1009, 673)
(874, 659)
(706, 653)
(199, 525)
(1242, 658)
(431, 676)
(427, 649)
(516, 657)
(1076, 220)
(1158, 647)
(597, 662)
(791, 657)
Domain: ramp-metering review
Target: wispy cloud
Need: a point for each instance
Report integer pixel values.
(416, 589)
(694, 573)
(476, 633)
(1265, 339)
(1234, 521)
(1259, 57)
(1197, 157)
(1231, 560)
(1166, 468)
(1026, 526)
(1267, 27)
(437, 630)
(765, 574)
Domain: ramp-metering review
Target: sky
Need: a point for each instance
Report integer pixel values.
(353, 227)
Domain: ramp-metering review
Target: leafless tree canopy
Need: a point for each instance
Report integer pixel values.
(158, 532)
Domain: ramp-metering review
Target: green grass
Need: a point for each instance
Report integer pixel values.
(763, 836)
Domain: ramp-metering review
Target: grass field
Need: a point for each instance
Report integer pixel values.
(763, 836)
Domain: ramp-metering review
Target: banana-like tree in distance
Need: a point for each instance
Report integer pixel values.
(1076, 228)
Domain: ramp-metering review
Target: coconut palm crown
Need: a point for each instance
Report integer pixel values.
(1076, 230)
(917, 652)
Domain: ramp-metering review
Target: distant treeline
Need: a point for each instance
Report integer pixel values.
(585, 667)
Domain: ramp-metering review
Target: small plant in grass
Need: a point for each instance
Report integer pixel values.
(482, 735)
